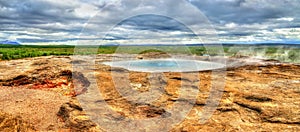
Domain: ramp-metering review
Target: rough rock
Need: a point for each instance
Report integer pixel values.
(36, 107)
(75, 118)
(258, 96)
(9, 123)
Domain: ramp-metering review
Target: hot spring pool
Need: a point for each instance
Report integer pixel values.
(165, 65)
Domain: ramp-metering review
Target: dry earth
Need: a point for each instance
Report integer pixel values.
(38, 94)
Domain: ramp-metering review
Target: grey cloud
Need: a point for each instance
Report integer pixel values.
(36, 12)
(154, 23)
(39, 17)
(247, 11)
(250, 16)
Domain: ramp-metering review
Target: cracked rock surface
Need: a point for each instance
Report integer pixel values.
(43, 94)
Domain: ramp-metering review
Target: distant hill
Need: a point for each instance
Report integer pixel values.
(10, 42)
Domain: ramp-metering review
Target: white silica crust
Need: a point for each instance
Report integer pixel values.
(165, 65)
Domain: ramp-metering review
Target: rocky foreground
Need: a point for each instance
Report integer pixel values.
(38, 94)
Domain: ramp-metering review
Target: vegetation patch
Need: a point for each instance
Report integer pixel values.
(283, 53)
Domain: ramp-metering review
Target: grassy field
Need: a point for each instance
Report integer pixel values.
(285, 53)
(8, 52)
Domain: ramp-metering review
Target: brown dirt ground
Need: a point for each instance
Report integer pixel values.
(258, 96)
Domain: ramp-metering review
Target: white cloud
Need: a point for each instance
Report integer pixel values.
(234, 20)
(86, 10)
(286, 19)
(231, 25)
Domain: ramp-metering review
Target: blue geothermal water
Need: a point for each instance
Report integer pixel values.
(165, 65)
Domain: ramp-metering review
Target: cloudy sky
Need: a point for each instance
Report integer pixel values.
(150, 22)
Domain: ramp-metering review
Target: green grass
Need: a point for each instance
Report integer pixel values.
(151, 50)
(9, 52)
(281, 53)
